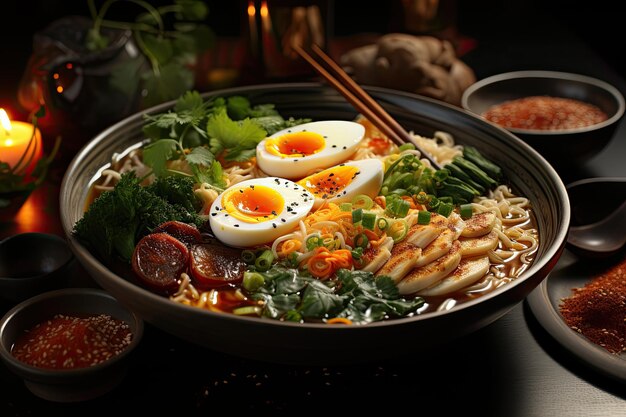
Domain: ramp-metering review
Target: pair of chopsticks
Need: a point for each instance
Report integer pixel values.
(360, 99)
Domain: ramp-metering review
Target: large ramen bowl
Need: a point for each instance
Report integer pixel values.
(287, 342)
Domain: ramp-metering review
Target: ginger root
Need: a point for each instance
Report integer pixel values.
(423, 65)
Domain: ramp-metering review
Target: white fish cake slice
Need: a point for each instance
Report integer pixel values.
(375, 258)
(469, 271)
(479, 224)
(442, 244)
(425, 276)
(478, 245)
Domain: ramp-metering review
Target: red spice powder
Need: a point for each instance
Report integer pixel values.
(598, 310)
(545, 113)
(65, 342)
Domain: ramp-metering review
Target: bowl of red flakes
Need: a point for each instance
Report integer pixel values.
(69, 345)
(566, 117)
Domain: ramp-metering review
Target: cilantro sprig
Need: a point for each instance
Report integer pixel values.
(289, 294)
(199, 132)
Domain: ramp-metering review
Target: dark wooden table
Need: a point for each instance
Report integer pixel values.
(510, 368)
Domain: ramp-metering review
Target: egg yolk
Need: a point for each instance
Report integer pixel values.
(330, 182)
(296, 144)
(253, 204)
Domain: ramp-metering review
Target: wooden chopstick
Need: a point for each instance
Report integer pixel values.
(361, 100)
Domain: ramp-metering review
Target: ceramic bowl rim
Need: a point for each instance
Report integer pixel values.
(86, 256)
(557, 75)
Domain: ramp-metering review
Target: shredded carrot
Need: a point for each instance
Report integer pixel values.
(381, 201)
(410, 200)
(325, 263)
(376, 243)
(339, 320)
(289, 246)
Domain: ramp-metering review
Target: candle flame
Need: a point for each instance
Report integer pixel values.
(5, 121)
(264, 10)
(251, 9)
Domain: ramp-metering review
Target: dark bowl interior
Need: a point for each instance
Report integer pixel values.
(286, 342)
(32, 263)
(558, 146)
(74, 384)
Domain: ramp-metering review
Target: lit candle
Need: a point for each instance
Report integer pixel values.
(16, 147)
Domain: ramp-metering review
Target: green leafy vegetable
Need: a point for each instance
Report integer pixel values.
(238, 139)
(117, 219)
(289, 294)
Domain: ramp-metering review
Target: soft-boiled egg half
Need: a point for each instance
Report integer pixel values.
(343, 182)
(259, 210)
(300, 150)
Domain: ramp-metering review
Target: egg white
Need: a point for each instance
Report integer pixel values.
(341, 140)
(234, 232)
(367, 180)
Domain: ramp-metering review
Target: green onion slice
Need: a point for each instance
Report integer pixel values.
(313, 242)
(361, 241)
(369, 221)
(466, 210)
(345, 206)
(362, 201)
(264, 261)
(398, 230)
(357, 215)
(248, 256)
(445, 209)
(423, 217)
(382, 223)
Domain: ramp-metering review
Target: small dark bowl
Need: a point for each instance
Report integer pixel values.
(73, 384)
(558, 146)
(32, 263)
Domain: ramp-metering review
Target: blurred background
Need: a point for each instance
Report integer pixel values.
(247, 45)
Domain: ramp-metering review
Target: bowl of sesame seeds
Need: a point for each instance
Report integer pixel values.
(566, 117)
(69, 345)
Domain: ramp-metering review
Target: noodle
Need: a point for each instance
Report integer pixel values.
(327, 239)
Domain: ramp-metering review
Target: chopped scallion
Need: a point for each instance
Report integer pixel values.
(398, 230)
(242, 311)
(248, 256)
(466, 210)
(382, 223)
(313, 242)
(369, 220)
(362, 201)
(252, 281)
(445, 209)
(264, 261)
(361, 241)
(345, 206)
(406, 147)
(357, 215)
(423, 217)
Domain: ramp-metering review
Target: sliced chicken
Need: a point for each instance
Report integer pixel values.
(478, 245)
(425, 276)
(404, 254)
(376, 257)
(443, 243)
(469, 271)
(401, 261)
(479, 224)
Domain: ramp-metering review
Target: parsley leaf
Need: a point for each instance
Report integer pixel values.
(233, 137)
(158, 153)
(320, 300)
(200, 156)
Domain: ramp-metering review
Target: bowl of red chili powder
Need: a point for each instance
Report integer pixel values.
(69, 345)
(566, 117)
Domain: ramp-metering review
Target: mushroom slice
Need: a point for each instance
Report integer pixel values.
(479, 224)
(478, 245)
(425, 276)
(469, 271)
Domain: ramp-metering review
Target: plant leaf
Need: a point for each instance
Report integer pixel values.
(173, 80)
(159, 47)
(200, 156)
(192, 9)
(158, 153)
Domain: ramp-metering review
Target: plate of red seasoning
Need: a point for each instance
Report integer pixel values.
(69, 345)
(582, 303)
